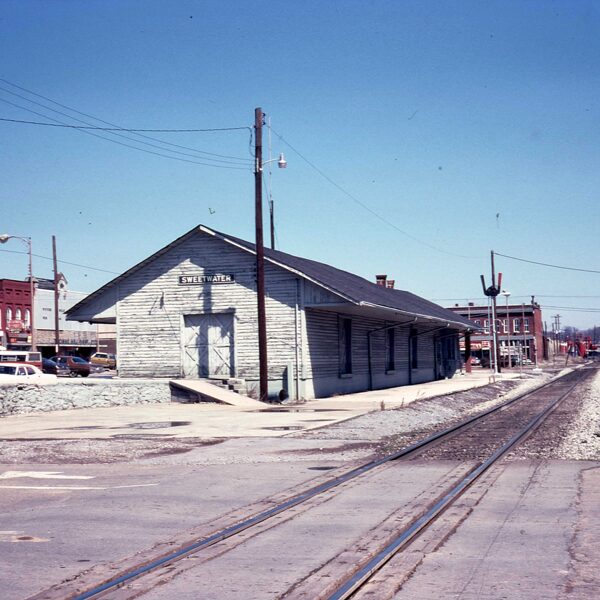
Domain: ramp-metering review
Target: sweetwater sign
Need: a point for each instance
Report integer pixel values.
(206, 278)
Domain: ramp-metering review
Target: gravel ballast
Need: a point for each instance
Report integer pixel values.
(356, 439)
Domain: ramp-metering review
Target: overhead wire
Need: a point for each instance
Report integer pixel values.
(129, 130)
(363, 205)
(196, 162)
(535, 262)
(512, 296)
(137, 132)
(572, 308)
(114, 129)
(85, 130)
(64, 262)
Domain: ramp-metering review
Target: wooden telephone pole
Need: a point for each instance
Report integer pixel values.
(260, 259)
(56, 294)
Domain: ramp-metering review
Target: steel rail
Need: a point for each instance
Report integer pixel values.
(295, 500)
(360, 577)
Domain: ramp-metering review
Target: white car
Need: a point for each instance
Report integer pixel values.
(15, 373)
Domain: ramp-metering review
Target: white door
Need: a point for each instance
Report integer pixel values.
(208, 345)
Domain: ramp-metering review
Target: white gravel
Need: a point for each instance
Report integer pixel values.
(582, 441)
(424, 414)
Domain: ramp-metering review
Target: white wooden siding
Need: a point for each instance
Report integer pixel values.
(314, 294)
(152, 304)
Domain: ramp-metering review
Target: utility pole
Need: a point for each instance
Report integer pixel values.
(271, 204)
(260, 258)
(523, 341)
(56, 294)
(272, 214)
(493, 292)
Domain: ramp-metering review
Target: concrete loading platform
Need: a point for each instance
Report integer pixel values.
(208, 421)
(208, 392)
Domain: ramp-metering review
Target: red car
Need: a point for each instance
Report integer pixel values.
(76, 366)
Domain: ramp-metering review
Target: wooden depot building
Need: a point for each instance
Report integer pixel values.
(190, 311)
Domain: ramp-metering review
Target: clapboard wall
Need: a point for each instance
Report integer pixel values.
(152, 304)
(323, 377)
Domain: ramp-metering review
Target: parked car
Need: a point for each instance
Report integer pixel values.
(53, 368)
(15, 373)
(103, 359)
(475, 360)
(75, 365)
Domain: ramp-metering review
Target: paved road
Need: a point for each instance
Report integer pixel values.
(55, 521)
(533, 536)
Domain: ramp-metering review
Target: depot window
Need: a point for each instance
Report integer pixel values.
(345, 346)
(414, 351)
(390, 350)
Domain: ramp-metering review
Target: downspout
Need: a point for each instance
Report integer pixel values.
(297, 341)
(411, 335)
(369, 360)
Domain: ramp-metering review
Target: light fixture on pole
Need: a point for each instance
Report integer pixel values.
(508, 349)
(260, 253)
(3, 239)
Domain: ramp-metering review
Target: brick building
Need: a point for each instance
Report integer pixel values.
(82, 339)
(519, 329)
(15, 314)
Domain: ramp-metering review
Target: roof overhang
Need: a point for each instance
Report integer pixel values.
(384, 313)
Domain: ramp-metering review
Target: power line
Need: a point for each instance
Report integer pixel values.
(546, 264)
(85, 129)
(512, 296)
(125, 128)
(129, 145)
(363, 205)
(113, 127)
(550, 296)
(572, 308)
(64, 262)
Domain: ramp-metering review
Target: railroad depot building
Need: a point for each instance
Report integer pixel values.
(190, 311)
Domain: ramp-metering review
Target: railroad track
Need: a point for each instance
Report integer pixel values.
(527, 419)
(502, 426)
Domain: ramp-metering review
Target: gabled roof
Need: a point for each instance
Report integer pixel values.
(348, 286)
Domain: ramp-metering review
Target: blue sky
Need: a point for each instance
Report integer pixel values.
(471, 126)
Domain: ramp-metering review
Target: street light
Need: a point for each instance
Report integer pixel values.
(3, 239)
(260, 253)
(508, 349)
